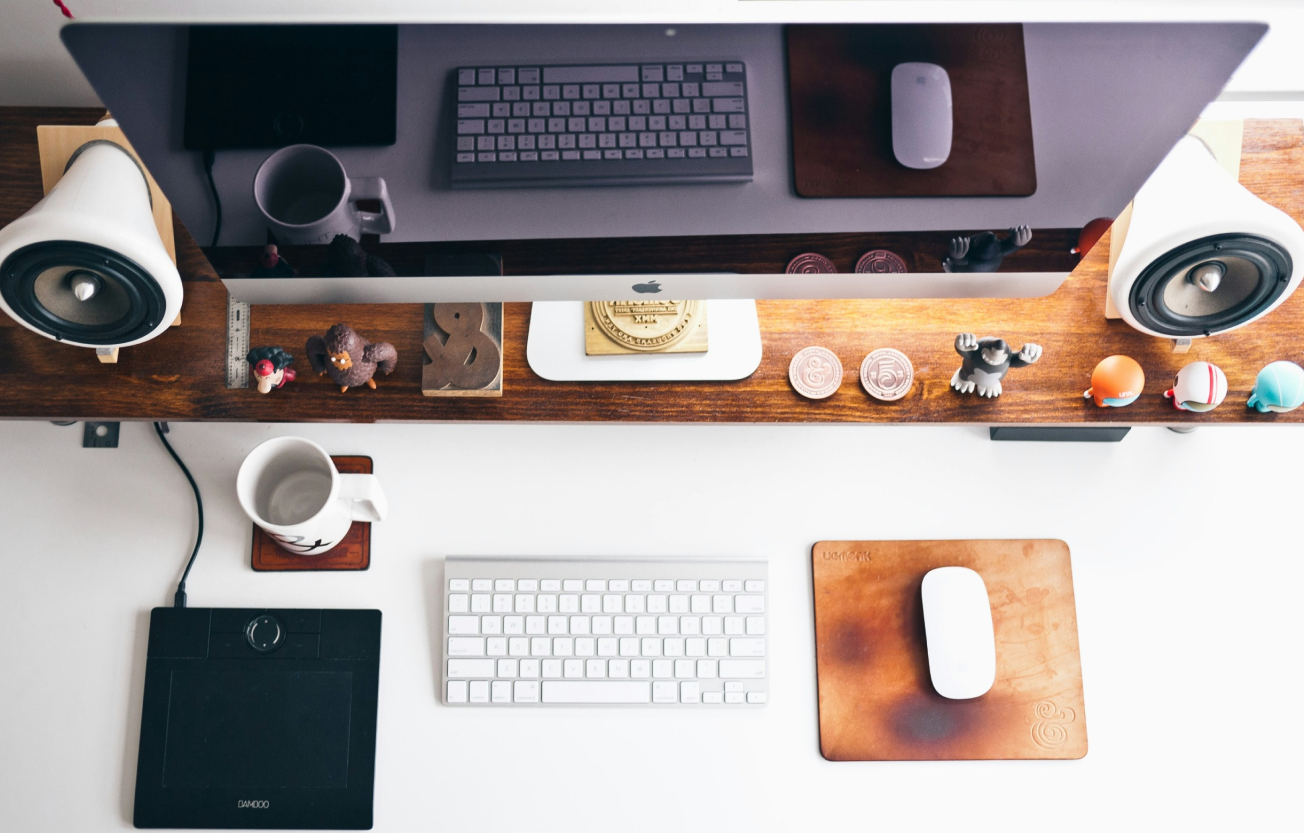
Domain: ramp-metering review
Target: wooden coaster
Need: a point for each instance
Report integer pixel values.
(876, 699)
(354, 552)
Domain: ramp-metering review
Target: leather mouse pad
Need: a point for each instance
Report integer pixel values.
(840, 109)
(876, 699)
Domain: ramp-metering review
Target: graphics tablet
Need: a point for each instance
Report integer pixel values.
(259, 719)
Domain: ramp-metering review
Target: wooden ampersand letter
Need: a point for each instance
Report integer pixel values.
(468, 358)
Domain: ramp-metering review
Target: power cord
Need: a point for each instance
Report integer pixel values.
(179, 598)
(209, 157)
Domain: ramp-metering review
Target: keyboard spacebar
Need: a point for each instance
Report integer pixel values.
(591, 75)
(594, 691)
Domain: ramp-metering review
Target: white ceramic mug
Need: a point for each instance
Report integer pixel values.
(307, 199)
(292, 490)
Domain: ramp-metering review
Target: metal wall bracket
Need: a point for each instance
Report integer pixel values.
(1059, 434)
(100, 435)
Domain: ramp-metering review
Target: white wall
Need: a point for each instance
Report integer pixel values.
(35, 69)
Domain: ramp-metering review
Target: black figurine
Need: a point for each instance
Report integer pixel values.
(271, 366)
(272, 265)
(346, 259)
(985, 361)
(984, 252)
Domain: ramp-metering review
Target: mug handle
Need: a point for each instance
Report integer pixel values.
(373, 188)
(367, 502)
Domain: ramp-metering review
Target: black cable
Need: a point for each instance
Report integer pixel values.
(179, 598)
(209, 157)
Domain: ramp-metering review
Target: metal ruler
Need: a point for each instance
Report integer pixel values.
(237, 343)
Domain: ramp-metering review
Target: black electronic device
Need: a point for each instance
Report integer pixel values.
(259, 719)
(272, 86)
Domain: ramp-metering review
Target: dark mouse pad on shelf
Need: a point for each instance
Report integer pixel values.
(354, 552)
(876, 699)
(839, 108)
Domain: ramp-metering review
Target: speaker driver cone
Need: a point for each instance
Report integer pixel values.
(1210, 285)
(81, 292)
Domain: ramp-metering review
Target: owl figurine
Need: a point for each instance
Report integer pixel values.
(348, 358)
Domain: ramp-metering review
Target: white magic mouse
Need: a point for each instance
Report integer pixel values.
(958, 632)
(921, 102)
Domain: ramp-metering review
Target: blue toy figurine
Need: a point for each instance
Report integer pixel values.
(1280, 387)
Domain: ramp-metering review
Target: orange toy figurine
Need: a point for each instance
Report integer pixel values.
(1117, 381)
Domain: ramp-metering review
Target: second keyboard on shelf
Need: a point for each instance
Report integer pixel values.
(611, 124)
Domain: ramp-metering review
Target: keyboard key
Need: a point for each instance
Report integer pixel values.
(535, 624)
(755, 625)
(550, 585)
(596, 691)
(664, 585)
(709, 586)
(755, 586)
(546, 603)
(757, 697)
(684, 669)
(514, 624)
(700, 603)
(573, 585)
(572, 668)
(618, 668)
(696, 646)
(645, 625)
(467, 76)
(675, 72)
(640, 668)
(457, 691)
(558, 624)
(519, 646)
(717, 647)
(478, 94)
(458, 603)
(562, 646)
(480, 691)
(747, 647)
(596, 668)
(667, 625)
(713, 697)
(679, 604)
(504, 585)
(732, 586)
(650, 647)
(471, 668)
(734, 625)
(706, 669)
(507, 76)
(466, 646)
(502, 603)
(579, 625)
(711, 625)
(650, 73)
(753, 669)
(724, 88)
(526, 691)
(530, 668)
(623, 625)
(716, 153)
(496, 646)
(463, 624)
(540, 646)
(607, 647)
(507, 668)
(571, 92)
(734, 137)
(629, 646)
(664, 692)
(601, 624)
(734, 696)
(584, 646)
(551, 668)
(689, 692)
(673, 646)
(527, 585)
(528, 75)
(750, 604)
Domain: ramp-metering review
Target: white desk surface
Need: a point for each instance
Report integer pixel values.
(1187, 554)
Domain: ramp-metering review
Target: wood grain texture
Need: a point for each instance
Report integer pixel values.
(180, 375)
(873, 679)
(841, 121)
(354, 552)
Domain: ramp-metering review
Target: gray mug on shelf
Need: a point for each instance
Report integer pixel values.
(306, 197)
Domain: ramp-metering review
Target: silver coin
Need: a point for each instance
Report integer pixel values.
(887, 374)
(815, 372)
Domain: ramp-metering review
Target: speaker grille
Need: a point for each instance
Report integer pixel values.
(35, 283)
(1253, 272)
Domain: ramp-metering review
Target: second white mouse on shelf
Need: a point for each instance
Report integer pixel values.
(958, 632)
(920, 96)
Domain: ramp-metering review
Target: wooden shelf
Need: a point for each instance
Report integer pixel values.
(179, 376)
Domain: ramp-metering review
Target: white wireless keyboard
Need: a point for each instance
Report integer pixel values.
(521, 631)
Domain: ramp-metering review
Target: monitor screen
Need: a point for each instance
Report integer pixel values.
(601, 161)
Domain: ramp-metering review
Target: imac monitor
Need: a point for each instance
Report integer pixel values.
(1102, 104)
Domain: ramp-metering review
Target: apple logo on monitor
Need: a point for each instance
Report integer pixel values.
(650, 287)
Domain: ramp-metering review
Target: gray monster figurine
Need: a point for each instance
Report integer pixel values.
(985, 361)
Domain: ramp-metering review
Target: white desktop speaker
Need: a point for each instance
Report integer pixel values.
(86, 265)
(1201, 254)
